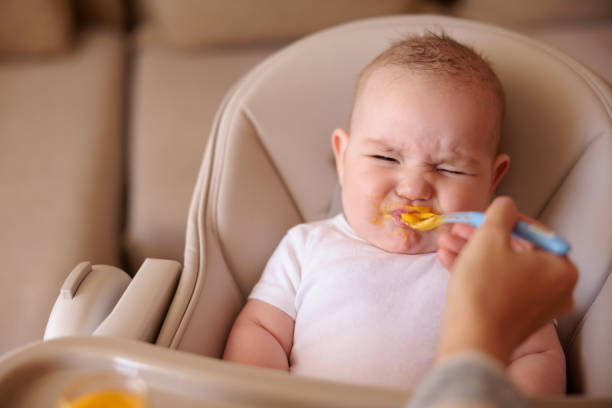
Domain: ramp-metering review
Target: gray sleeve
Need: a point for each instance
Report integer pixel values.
(468, 379)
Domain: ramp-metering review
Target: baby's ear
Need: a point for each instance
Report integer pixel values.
(500, 168)
(339, 139)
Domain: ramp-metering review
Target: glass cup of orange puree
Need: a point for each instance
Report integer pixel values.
(104, 390)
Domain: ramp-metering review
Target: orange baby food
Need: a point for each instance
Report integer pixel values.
(421, 220)
(106, 398)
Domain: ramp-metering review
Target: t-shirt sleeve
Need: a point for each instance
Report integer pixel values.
(280, 279)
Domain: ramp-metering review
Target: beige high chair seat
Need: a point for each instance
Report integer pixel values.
(269, 166)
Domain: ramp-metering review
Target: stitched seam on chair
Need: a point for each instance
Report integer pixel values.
(250, 117)
(207, 205)
(200, 220)
(214, 203)
(243, 87)
(214, 229)
(192, 302)
(582, 321)
(555, 191)
(569, 171)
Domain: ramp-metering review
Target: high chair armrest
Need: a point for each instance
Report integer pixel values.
(143, 306)
(88, 294)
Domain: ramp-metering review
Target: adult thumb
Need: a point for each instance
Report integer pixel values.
(502, 214)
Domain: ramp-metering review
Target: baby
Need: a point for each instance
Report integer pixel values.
(359, 297)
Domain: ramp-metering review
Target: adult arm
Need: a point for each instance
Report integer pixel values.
(499, 295)
(467, 379)
(490, 311)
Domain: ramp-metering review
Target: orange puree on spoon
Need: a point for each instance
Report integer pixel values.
(421, 220)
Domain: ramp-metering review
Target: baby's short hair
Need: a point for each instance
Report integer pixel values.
(437, 55)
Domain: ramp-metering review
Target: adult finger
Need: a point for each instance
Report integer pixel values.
(521, 245)
(502, 213)
(464, 231)
(447, 258)
(451, 242)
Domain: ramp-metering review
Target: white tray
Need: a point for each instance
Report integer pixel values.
(33, 376)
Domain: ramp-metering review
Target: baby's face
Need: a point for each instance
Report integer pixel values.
(416, 142)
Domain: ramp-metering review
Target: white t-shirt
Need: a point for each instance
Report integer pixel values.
(362, 315)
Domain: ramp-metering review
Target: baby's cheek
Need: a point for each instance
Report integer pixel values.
(479, 201)
(372, 191)
(465, 198)
(373, 181)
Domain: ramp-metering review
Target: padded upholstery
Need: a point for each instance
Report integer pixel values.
(572, 41)
(33, 27)
(174, 97)
(269, 166)
(196, 23)
(60, 124)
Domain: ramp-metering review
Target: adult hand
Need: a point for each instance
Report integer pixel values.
(452, 242)
(498, 295)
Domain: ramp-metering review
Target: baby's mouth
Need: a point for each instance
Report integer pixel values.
(419, 218)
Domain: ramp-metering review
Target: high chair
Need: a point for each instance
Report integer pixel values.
(269, 165)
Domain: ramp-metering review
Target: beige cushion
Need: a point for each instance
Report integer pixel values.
(269, 155)
(590, 43)
(35, 26)
(533, 13)
(192, 23)
(60, 172)
(104, 12)
(174, 101)
(590, 368)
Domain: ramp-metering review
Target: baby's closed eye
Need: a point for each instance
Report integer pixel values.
(384, 158)
(453, 171)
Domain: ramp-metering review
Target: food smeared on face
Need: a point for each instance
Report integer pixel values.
(416, 226)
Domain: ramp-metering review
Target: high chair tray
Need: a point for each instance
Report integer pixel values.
(35, 375)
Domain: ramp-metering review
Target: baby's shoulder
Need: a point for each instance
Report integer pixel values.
(313, 227)
(314, 232)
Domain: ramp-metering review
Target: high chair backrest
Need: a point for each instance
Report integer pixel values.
(269, 166)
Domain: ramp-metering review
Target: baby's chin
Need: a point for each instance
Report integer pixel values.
(416, 243)
(415, 251)
(410, 250)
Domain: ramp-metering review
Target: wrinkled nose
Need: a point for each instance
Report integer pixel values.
(414, 186)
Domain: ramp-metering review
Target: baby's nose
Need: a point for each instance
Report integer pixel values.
(414, 186)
